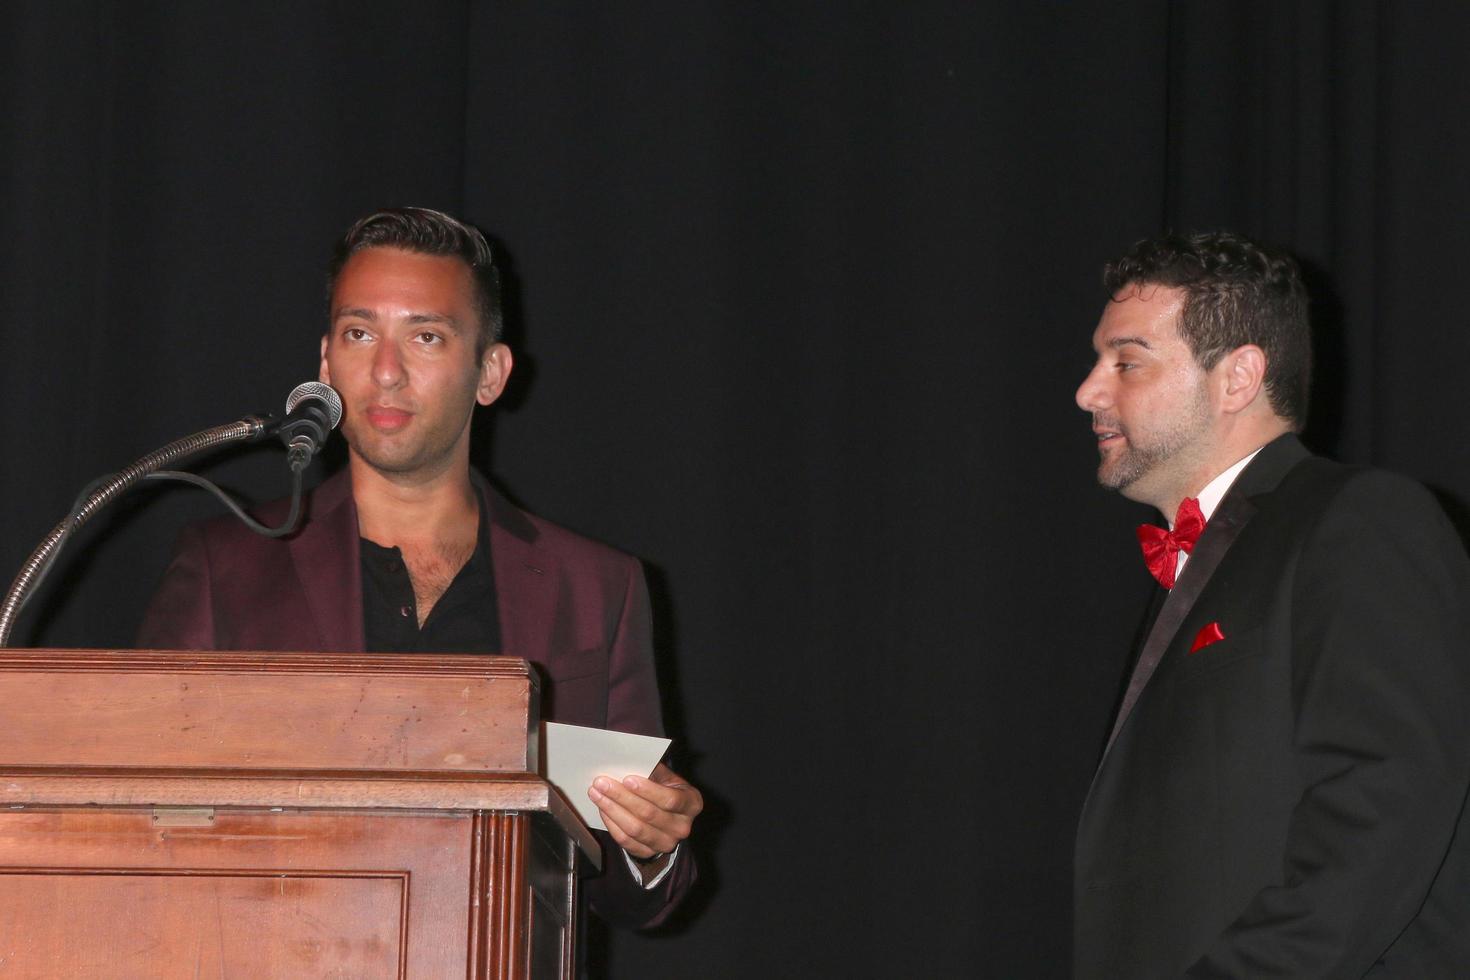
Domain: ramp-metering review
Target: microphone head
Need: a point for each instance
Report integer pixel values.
(316, 390)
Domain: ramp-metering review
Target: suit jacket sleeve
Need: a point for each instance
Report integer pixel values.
(1379, 690)
(633, 706)
(180, 615)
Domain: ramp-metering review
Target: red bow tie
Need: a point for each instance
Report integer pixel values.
(1161, 548)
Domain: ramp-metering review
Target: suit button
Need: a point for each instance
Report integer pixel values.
(405, 611)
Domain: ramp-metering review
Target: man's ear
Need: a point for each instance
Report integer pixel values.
(495, 367)
(324, 374)
(1243, 377)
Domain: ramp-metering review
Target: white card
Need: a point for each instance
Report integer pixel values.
(573, 756)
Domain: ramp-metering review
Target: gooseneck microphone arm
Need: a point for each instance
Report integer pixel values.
(251, 428)
(312, 411)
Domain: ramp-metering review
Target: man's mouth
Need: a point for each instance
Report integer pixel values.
(1107, 436)
(385, 418)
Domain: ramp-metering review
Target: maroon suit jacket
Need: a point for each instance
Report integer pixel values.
(577, 609)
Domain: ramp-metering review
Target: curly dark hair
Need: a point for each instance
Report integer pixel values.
(429, 232)
(1236, 292)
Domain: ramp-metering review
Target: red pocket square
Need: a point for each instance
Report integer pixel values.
(1210, 634)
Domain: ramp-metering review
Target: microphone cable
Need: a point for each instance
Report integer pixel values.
(303, 413)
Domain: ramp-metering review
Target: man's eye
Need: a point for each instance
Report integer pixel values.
(355, 333)
(428, 337)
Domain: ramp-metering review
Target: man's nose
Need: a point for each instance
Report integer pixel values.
(1092, 394)
(388, 365)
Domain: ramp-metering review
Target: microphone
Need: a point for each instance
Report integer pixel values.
(313, 410)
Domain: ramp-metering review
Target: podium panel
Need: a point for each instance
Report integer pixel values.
(410, 838)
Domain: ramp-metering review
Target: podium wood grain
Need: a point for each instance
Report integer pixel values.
(276, 815)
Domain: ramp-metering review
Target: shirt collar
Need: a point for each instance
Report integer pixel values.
(1214, 491)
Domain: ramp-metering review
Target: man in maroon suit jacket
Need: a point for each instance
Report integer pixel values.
(412, 346)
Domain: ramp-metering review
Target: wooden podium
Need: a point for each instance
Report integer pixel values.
(170, 814)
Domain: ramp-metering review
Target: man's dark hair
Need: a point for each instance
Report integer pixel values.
(429, 232)
(1236, 292)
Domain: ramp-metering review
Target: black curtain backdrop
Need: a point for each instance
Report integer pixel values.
(801, 295)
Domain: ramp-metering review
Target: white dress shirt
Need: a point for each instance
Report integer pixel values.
(1209, 498)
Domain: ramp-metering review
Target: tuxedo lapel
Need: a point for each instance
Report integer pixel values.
(1219, 535)
(326, 556)
(1235, 510)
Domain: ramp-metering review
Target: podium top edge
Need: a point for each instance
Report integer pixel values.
(213, 661)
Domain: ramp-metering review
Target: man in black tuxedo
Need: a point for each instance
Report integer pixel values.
(1282, 788)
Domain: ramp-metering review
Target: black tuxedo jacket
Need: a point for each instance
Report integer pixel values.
(1283, 802)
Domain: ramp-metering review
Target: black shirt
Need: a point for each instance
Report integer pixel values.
(464, 620)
